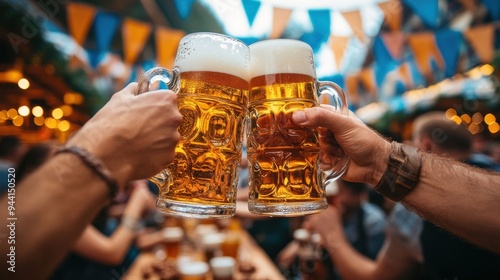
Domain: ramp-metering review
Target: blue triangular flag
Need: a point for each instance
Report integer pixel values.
(95, 57)
(320, 20)
(105, 28)
(427, 10)
(184, 7)
(383, 59)
(251, 8)
(449, 43)
(493, 7)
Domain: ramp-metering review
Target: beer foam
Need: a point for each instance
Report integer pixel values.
(281, 56)
(213, 52)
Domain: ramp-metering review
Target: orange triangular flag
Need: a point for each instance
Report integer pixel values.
(167, 41)
(80, 18)
(404, 71)
(355, 21)
(481, 39)
(424, 48)
(352, 88)
(394, 43)
(393, 14)
(367, 78)
(135, 35)
(339, 45)
(280, 21)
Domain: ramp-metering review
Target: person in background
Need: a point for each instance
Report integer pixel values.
(362, 223)
(415, 248)
(11, 151)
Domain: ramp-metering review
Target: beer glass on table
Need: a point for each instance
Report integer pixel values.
(285, 177)
(211, 79)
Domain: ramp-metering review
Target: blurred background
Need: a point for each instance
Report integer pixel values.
(62, 60)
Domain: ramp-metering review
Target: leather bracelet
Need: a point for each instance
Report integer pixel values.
(95, 164)
(402, 173)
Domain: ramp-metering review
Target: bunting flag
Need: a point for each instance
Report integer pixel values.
(184, 7)
(339, 45)
(405, 72)
(425, 51)
(367, 79)
(167, 41)
(135, 34)
(251, 9)
(352, 88)
(393, 15)
(95, 57)
(394, 43)
(105, 28)
(449, 43)
(482, 40)
(80, 18)
(280, 21)
(384, 60)
(493, 7)
(427, 10)
(320, 20)
(355, 21)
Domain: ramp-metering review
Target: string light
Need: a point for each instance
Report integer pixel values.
(23, 110)
(37, 111)
(57, 113)
(23, 83)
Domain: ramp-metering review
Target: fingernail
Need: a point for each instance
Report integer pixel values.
(299, 117)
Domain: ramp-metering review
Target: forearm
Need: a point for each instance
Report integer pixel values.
(350, 263)
(459, 198)
(59, 187)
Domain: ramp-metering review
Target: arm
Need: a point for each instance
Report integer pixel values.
(462, 199)
(393, 262)
(56, 202)
(111, 250)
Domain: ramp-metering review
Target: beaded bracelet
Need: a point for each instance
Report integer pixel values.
(95, 164)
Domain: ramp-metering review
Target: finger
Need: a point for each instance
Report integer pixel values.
(319, 116)
(130, 89)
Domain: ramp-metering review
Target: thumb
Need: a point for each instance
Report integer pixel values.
(323, 117)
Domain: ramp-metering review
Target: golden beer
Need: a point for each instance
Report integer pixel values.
(211, 81)
(285, 178)
(283, 156)
(209, 152)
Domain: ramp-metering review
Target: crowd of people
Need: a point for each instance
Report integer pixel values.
(445, 226)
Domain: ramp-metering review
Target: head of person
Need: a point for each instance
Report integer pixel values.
(35, 156)
(347, 196)
(434, 133)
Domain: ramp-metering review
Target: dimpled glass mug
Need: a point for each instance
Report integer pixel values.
(285, 177)
(211, 80)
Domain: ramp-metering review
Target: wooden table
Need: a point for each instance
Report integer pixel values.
(265, 268)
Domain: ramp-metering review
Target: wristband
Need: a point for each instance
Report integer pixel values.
(402, 173)
(131, 223)
(95, 164)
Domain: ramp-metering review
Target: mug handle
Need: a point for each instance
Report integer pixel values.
(333, 166)
(171, 78)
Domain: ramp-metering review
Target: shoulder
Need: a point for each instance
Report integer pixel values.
(374, 218)
(404, 222)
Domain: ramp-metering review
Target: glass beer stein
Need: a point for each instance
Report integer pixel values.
(211, 80)
(285, 176)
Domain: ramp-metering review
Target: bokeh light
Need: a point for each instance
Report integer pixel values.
(23, 110)
(17, 121)
(37, 111)
(23, 83)
(12, 113)
(50, 123)
(39, 120)
(64, 125)
(57, 113)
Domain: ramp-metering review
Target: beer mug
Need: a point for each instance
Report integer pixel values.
(285, 178)
(211, 80)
